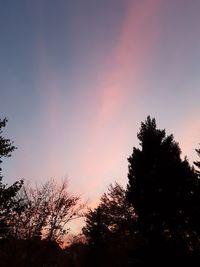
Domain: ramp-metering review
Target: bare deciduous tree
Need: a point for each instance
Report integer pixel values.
(48, 209)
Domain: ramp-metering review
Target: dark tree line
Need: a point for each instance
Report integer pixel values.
(164, 193)
(112, 218)
(197, 163)
(9, 204)
(164, 189)
(28, 212)
(48, 208)
(155, 220)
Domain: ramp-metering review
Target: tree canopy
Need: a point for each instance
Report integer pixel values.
(114, 216)
(155, 219)
(162, 187)
(197, 163)
(48, 208)
(9, 205)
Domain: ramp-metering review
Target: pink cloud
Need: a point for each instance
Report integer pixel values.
(138, 34)
(134, 48)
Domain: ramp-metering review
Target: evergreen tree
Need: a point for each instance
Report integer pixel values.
(113, 218)
(197, 163)
(162, 188)
(110, 229)
(9, 205)
(6, 146)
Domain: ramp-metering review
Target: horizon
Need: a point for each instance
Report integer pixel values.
(78, 78)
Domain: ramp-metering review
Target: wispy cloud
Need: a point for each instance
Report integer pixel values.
(133, 49)
(138, 34)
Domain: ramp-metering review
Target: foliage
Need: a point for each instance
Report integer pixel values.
(197, 163)
(49, 208)
(32, 253)
(162, 187)
(109, 229)
(113, 217)
(9, 205)
(6, 146)
(157, 216)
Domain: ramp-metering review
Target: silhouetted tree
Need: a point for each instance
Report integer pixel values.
(77, 250)
(30, 223)
(95, 229)
(6, 146)
(32, 253)
(114, 215)
(197, 163)
(110, 228)
(49, 208)
(9, 205)
(195, 209)
(63, 208)
(162, 188)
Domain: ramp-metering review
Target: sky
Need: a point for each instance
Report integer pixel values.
(78, 77)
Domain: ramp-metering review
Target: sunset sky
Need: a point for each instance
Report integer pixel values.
(78, 77)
